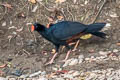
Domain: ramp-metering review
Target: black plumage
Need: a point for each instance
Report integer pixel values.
(63, 32)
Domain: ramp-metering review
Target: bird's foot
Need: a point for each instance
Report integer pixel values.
(52, 60)
(74, 49)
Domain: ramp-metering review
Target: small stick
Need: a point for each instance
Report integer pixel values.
(46, 7)
(99, 11)
(70, 13)
(26, 52)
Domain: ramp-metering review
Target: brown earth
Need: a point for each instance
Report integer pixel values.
(24, 50)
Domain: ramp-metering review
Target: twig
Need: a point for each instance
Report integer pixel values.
(99, 11)
(70, 13)
(62, 11)
(26, 52)
(51, 10)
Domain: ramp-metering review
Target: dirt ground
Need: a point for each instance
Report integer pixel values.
(25, 51)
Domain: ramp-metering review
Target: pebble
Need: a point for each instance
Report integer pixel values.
(76, 73)
(103, 53)
(43, 73)
(1, 78)
(87, 59)
(4, 24)
(42, 78)
(69, 76)
(73, 62)
(24, 76)
(54, 68)
(39, 0)
(67, 62)
(115, 50)
(35, 74)
(80, 58)
(60, 79)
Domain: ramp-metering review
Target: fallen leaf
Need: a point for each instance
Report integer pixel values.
(32, 1)
(60, 17)
(118, 44)
(19, 30)
(60, 1)
(53, 51)
(2, 66)
(50, 19)
(7, 5)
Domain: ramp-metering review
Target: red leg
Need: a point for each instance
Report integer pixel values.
(51, 61)
(76, 45)
(67, 55)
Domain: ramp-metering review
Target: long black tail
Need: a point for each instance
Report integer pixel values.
(95, 28)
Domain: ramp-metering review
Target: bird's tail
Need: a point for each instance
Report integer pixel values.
(95, 28)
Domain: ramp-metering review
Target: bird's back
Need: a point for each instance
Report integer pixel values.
(65, 29)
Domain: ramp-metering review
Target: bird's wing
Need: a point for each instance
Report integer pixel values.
(66, 29)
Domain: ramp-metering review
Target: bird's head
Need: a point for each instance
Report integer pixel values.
(37, 27)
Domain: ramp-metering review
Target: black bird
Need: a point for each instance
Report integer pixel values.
(65, 32)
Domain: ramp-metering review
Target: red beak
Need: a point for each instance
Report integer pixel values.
(32, 28)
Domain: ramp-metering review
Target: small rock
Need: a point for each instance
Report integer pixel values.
(43, 73)
(74, 62)
(87, 59)
(4, 24)
(67, 62)
(42, 78)
(86, 2)
(60, 79)
(10, 22)
(1, 78)
(35, 74)
(92, 57)
(115, 50)
(39, 0)
(54, 68)
(30, 42)
(76, 73)
(24, 76)
(81, 58)
(91, 51)
(14, 33)
(70, 72)
(68, 76)
(113, 14)
(103, 53)
(35, 8)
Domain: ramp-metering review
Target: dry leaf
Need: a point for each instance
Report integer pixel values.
(53, 51)
(60, 1)
(32, 1)
(60, 17)
(118, 44)
(19, 30)
(7, 5)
